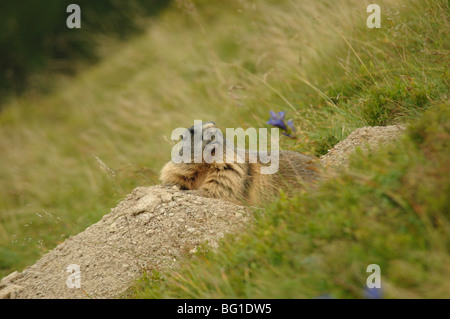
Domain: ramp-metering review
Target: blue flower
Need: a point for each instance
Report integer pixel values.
(373, 293)
(277, 120)
(290, 123)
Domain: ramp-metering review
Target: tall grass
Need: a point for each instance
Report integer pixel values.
(389, 209)
(75, 152)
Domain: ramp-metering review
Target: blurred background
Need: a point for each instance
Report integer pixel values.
(86, 115)
(34, 35)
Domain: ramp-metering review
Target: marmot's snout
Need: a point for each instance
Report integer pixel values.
(206, 134)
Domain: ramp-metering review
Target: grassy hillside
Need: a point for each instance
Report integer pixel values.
(28, 48)
(389, 209)
(71, 155)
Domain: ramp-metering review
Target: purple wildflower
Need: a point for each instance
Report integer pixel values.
(277, 120)
(373, 293)
(290, 123)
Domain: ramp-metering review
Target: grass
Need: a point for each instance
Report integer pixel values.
(388, 209)
(72, 154)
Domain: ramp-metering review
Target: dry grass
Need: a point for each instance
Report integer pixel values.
(76, 151)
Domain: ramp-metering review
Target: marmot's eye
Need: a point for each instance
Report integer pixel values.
(213, 138)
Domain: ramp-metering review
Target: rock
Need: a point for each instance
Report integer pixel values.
(364, 138)
(166, 197)
(10, 292)
(133, 236)
(113, 228)
(145, 217)
(146, 203)
(10, 278)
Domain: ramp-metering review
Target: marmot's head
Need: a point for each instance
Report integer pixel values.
(204, 142)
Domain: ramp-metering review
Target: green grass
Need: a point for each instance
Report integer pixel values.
(72, 154)
(389, 208)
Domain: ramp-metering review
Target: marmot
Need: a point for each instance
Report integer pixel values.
(237, 182)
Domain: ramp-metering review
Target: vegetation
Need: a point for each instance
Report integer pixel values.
(389, 209)
(70, 155)
(35, 37)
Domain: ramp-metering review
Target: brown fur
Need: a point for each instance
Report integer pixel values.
(242, 182)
